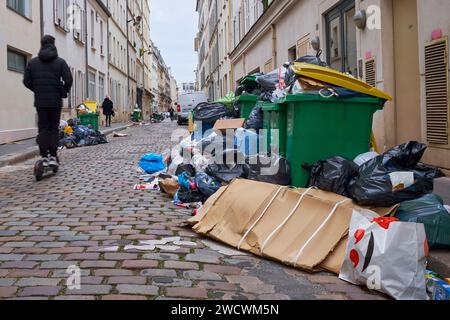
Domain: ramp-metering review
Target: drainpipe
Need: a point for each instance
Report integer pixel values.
(86, 47)
(274, 44)
(128, 56)
(42, 18)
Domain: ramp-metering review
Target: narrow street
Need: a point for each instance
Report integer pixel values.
(89, 215)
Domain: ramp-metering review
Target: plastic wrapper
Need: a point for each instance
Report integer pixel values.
(206, 184)
(152, 163)
(386, 255)
(211, 112)
(270, 169)
(374, 185)
(430, 211)
(256, 119)
(333, 175)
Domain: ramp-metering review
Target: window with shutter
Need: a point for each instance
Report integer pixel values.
(436, 92)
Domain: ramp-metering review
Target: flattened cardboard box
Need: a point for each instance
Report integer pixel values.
(221, 125)
(299, 227)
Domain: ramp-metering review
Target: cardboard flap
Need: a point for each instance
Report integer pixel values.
(229, 124)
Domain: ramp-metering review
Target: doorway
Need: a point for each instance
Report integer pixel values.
(407, 71)
(341, 38)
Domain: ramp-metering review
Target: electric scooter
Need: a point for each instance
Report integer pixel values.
(40, 170)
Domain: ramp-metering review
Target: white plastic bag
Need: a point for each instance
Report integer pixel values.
(386, 255)
(365, 157)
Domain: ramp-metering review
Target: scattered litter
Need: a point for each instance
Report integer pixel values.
(185, 243)
(140, 247)
(154, 185)
(227, 251)
(120, 135)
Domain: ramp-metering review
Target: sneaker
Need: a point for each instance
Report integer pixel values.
(45, 162)
(53, 162)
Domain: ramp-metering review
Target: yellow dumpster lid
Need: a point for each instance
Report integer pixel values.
(92, 105)
(338, 79)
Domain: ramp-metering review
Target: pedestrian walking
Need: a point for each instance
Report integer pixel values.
(49, 77)
(171, 112)
(108, 110)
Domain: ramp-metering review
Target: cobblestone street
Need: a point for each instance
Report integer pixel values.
(89, 215)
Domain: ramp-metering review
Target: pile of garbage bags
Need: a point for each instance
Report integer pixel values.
(73, 135)
(385, 180)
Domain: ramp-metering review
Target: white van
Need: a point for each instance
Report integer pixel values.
(187, 102)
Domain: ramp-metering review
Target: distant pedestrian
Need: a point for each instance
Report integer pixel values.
(49, 77)
(108, 110)
(172, 113)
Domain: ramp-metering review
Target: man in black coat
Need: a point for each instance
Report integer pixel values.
(108, 110)
(49, 77)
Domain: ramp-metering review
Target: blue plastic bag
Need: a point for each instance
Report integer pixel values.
(152, 163)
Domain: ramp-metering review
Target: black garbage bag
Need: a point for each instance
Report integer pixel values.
(269, 81)
(274, 169)
(333, 175)
(211, 112)
(95, 137)
(430, 211)
(373, 186)
(206, 184)
(188, 168)
(406, 155)
(190, 196)
(226, 172)
(255, 120)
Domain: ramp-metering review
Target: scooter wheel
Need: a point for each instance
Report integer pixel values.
(38, 171)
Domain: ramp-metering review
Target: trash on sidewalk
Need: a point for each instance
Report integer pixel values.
(386, 255)
(154, 185)
(380, 183)
(333, 175)
(169, 186)
(438, 288)
(270, 169)
(430, 211)
(206, 184)
(152, 163)
(75, 135)
(298, 227)
(120, 135)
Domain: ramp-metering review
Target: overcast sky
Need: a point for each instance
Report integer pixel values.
(173, 26)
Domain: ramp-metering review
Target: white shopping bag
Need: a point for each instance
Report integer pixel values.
(386, 255)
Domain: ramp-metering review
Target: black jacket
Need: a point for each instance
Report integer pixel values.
(107, 107)
(49, 77)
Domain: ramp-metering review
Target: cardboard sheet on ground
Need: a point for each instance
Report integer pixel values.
(299, 227)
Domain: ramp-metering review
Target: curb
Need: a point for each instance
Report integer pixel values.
(32, 152)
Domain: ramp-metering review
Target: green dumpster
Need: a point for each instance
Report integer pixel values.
(137, 115)
(319, 128)
(275, 119)
(247, 103)
(90, 119)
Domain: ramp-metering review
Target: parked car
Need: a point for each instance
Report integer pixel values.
(187, 102)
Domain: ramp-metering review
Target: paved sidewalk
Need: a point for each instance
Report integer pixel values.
(16, 152)
(89, 216)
